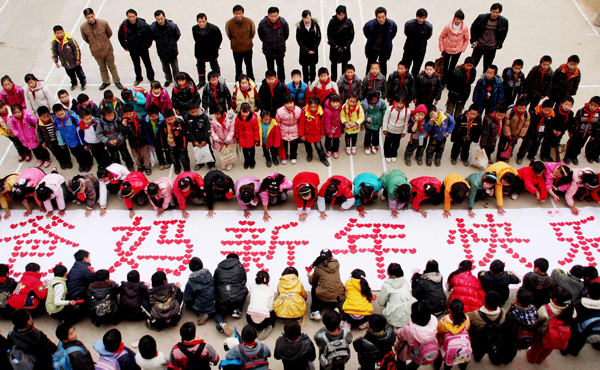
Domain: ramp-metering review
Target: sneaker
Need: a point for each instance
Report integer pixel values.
(202, 319)
(245, 166)
(161, 167)
(198, 166)
(148, 171)
(368, 150)
(519, 160)
(453, 161)
(309, 157)
(119, 85)
(597, 160)
(28, 158)
(275, 161)
(293, 161)
(73, 87)
(407, 162)
(265, 332)
(47, 164)
(375, 149)
(328, 154)
(364, 325)
(39, 163)
(325, 162)
(63, 166)
(438, 163)
(54, 169)
(354, 150)
(224, 328)
(466, 163)
(590, 160)
(514, 196)
(348, 151)
(284, 162)
(336, 155)
(420, 162)
(388, 160)
(575, 161)
(429, 163)
(21, 158)
(200, 85)
(82, 169)
(177, 171)
(130, 169)
(252, 166)
(229, 167)
(269, 163)
(236, 314)
(315, 315)
(394, 160)
(337, 310)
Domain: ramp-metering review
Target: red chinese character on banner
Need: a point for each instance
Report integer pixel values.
(577, 241)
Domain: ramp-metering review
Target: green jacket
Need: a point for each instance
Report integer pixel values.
(392, 179)
(375, 114)
(476, 184)
(50, 306)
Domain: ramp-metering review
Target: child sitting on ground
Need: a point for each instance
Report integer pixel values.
(376, 345)
(419, 332)
(291, 303)
(164, 304)
(148, 357)
(571, 281)
(132, 294)
(111, 349)
(294, 348)
(357, 306)
(31, 292)
(395, 296)
(79, 356)
(190, 350)
(34, 345)
(199, 293)
(57, 306)
(102, 299)
(7, 286)
(260, 314)
(498, 280)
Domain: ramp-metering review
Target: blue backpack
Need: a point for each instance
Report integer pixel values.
(60, 359)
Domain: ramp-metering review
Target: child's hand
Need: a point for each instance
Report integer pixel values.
(446, 214)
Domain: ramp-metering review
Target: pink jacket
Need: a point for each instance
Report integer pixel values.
(285, 185)
(246, 180)
(452, 42)
(16, 96)
(288, 122)
(575, 184)
(33, 176)
(332, 120)
(413, 333)
(550, 168)
(224, 132)
(25, 130)
(162, 104)
(54, 181)
(165, 186)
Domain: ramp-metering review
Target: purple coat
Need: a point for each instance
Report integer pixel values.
(16, 96)
(332, 120)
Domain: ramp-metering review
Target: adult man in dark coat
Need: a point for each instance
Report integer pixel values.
(417, 32)
(340, 34)
(488, 33)
(135, 37)
(166, 34)
(208, 39)
(273, 31)
(379, 33)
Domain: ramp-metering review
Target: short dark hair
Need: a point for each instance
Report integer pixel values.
(232, 255)
(130, 11)
(497, 267)
(496, 6)
(594, 291)
(127, 108)
(469, 60)
(541, 264)
(57, 28)
(323, 70)
(81, 254)
(32, 267)
(332, 320)
(494, 67)
(102, 275)
(595, 99)
(296, 72)
(547, 103)
(133, 276)
(500, 108)
(458, 192)
(41, 110)
(379, 10)
(394, 269)
(577, 271)
(58, 270)
(81, 98)
(430, 64)
(350, 66)
(238, 8)
(341, 9)
(88, 11)
(518, 62)
(524, 297)
(196, 264)
(153, 109)
(62, 331)
(292, 330)
(4, 270)
(201, 16)
(474, 107)
(57, 108)
(492, 300)
(522, 102)
(546, 58)
(573, 58)
(265, 113)
(158, 278)
(249, 334)
(156, 14)
(270, 73)
(169, 112)
(147, 347)
(287, 99)
(112, 340)
(420, 314)
(273, 9)
(459, 14)
(212, 74)
(187, 331)
(20, 318)
(377, 323)
(422, 13)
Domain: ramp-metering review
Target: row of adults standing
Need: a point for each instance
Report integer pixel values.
(487, 35)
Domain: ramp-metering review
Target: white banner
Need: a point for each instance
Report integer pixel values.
(147, 243)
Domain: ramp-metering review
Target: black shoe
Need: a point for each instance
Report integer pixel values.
(137, 82)
(198, 166)
(269, 163)
(119, 85)
(252, 166)
(177, 171)
(453, 161)
(325, 162)
(70, 165)
(105, 85)
(200, 85)
(87, 169)
(167, 83)
(245, 166)
(438, 163)
(575, 161)
(148, 171)
(597, 159)
(590, 160)
(309, 157)
(429, 163)
(275, 161)
(519, 160)
(567, 161)
(73, 87)
(63, 166)
(81, 169)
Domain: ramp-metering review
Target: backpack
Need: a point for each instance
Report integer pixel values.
(524, 336)
(335, 353)
(110, 363)
(491, 332)
(195, 362)
(254, 361)
(592, 328)
(103, 307)
(60, 358)
(558, 334)
(424, 353)
(388, 362)
(20, 360)
(456, 348)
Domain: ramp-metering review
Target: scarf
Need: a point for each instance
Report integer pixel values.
(121, 348)
(135, 123)
(3, 279)
(469, 125)
(401, 82)
(499, 123)
(62, 122)
(293, 112)
(274, 84)
(538, 110)
(399, 110)
(520, 118)
(468, 74)
(541, 81)
(372, 79)
(83, 126)
(349, 80)
(215, 93)
(276, 25)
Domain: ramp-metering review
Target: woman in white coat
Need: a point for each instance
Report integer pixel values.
(396, 297)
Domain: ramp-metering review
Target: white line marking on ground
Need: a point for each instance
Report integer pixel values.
(381, 151)
(6, 153)
(586, 18)
(4, 6)
(352, 168)
(19, 167)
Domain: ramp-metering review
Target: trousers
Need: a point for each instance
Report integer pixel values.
(143, 54)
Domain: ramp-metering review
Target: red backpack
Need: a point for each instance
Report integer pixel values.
(558, 334)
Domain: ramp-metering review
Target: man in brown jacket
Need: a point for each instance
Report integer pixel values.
(516, 124)
(97, 33)
(240, 31)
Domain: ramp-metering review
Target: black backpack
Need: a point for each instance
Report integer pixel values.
(195, 361)
(491, 335)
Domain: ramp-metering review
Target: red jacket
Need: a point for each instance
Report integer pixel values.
(246, 130)
(320, 90)
(311, 126)
(273, 135)
(418, 186)
(138, 183)
(29, 292)
(301, 179)
(344, 189)
(532, 182)
(467, 288)
(181, 196)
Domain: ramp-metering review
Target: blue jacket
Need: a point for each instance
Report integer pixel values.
(140, 105)
(370, 33)
(199, 293)
(81, 275)
(68, 129)
(126, 360)
(297, 94)
(444, 124)
(153, 129)
(497, 94)
(368, 179)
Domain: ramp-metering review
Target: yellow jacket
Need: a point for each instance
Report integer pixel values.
(272, 125)
(356, 303)
(291, 302)
(501, 169)
(446, 326)
(9, 182)
(448, 182)
(5, 127)
(347, 118)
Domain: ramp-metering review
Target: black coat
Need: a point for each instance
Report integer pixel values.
(137, 37)
(212, 194)
(429, 289)
(532, 131)
(102, 298)
(562, 85)
(271, 103)
(417, 36)
(132, 295)
(180, 135)
(295, 355)
(308, 40)
(273, 39)
(461, 129)
(166, 39)
(535, 86)
(459, 84)
(540, 286)
(223, 97)
(230, 283)
(199, 127)
(138, 136)
(199, 293)
(81, 275)
(408, 88)
(373, 347)
(513, 87)
(340, 35)
(479, 25)
(6, 289)
(207, 43)
(498, 283)
(33, 342)
(428, 88)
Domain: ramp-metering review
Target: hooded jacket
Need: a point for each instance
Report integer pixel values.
(34, 342)
(396, 121)
(326, 280)
(29, 292)
(38, 97)
(66, 50)
(459, 83)
(372, 347)
(377, 83)
(216, 95)
(68, 129)
(332, 121)
(288, 122)
(182, 97)
(413, 335)
(163, 300)
(301, 179)
(562, 279)
(479, 324)
(162, 101)
(389, 33)
(500, 168)
(404, 85)
(131, 297)
(374, 114)
(352, 120)
(273, 135)
(106, 131)
(365, 179)
(441, 127)
(540, 285)
(429, 289)
(356, 303)
(340, 35)
(199, 293)
(137, 131)
(166, 38)
(496, 91)
(135, 37)
(125, 357)
(396, 297)
(467, 288)
(138, 182)
(207, 42)
(311, 125)
(230, 283)
(564, 83)
(25, 129)
(102, 298)
(295, 355)
(165, 193)
(273, 37)
(538, 83)
(271, 97)
(418, 189)
(452, 41)
(81, 275)
(347, 88)
(533, 183)
(308, 40)
(15, 96)
(291, 302)
(222, 131)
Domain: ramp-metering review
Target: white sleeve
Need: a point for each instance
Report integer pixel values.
(348, 203)
(103, 195)
(59, 292)
(321, 203)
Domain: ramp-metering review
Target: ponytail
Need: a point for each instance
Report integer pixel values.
(365, 289)
(456, 312)
(262, 277)
(325, 255)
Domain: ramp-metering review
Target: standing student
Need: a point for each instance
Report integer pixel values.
(199, 293)
(230, 291)
(327, 290)
(586, 121)
(308, 36)
(241, 30)
(396, 189)
(270, 138)
(97, 33)
(154, 120)
(539, 82)
(516, 126)
(513, 81)
(305, 192)
(418, 135)
(23, 125)
(565, 80)
(357, 307)
(428, 86)
(375, 80)
(395, 296)
(5, 118)
(66, 49)
(488, 92)
(453, 41)
(379, 33)
(375, 108)
(491, 128)
(245, 92)
(538, 282)
(86, 103)
(424, 188)
(417, 32)
(207, 42)
(166, 34)
(395, 126)
(322, 88)
(333, 125)
(564, 120)
(310, 130)
(297, 88)
(439, 127)
(340, 34)
(274, 31)
(488, 33)
(87, 129)
(247, 134)
(459, 81)
(185, 353)
(294, 348)
(12, 94)
(138, 135)
(375, 348)
(158, 96)
(287, 118)
(421, 330)
(37, 94)
(113, 102)
(67, 123)
(272, 92)
(352, 117)
(109, 132)
(349, 84)
(260, 314)
(453, 324)
(173, 135)
(541, 125)
(222, 132)
(65, 99)
(466, 131)
(198, 125)
(135, 37)
(401, 82)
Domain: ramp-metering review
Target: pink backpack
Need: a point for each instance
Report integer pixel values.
(456, 348)
(424, 353)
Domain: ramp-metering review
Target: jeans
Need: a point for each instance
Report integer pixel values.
(99, 152)
(332, 144)
(371, 137)
(378, 56)
(179, 158)
(487, 54)
(461, 147)
(391, 144)
(435, 147)
(415, 59)
(453, 108)
(201, 67)
(75, 73)
(351, 140)
(82, 156)
(240, 58)
(280, 67)
(249, 154)
(334, 74)
(108, 64)
(293, 146)
(450, 62)
(318, 147)
(309, 73)
(21, 149)
(136, 55)
(121, 149)
(168, 66)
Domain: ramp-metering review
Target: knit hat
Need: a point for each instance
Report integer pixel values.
(420, 108)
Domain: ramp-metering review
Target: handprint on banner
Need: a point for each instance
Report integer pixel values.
(374, 235)
(577, 241)
(37, 242)
(468, 238)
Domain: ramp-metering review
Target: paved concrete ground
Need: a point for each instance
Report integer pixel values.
(555, 27)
